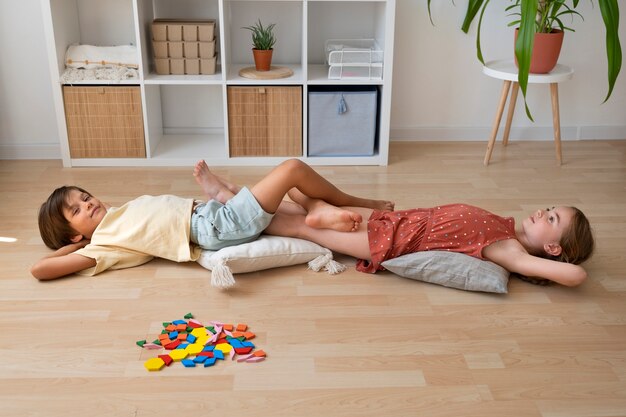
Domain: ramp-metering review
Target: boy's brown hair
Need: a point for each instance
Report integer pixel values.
(54, 228)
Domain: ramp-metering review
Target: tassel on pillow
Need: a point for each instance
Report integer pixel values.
(328, 263)
(221, 275)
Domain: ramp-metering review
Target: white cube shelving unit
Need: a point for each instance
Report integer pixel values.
(186, 116)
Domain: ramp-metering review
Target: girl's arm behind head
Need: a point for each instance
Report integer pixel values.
(510, 255)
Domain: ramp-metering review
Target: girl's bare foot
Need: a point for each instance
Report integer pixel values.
(213, 188)
(325, 216)
(382, 205)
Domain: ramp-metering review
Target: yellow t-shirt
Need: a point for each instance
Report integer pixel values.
(144, 228)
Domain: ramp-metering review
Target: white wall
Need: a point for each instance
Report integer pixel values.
(28, 126)
(439, 91)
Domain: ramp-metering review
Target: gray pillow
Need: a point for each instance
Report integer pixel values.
(451, 269)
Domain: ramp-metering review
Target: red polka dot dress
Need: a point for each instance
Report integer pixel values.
(454, 227)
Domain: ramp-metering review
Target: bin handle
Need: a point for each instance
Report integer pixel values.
(342, 107)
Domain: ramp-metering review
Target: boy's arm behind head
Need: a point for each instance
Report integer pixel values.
(62, 262)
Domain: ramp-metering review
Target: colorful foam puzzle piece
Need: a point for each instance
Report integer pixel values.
(154, 364)
(209, 362)
(167, 359)
(188, 316)
(194, 348)
(140, 343)
(172, 345)
(218, 354)
(200, 359)
(178, 354)
(224, 347)
(243, 350)
(193, 323)
(242, 327)
(188, 363)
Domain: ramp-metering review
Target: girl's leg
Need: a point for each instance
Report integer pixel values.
(354, 243)
(294, 173)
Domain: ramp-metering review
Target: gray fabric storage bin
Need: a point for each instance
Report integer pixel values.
(342, 122)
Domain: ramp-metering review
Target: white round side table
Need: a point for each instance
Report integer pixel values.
(507, 70)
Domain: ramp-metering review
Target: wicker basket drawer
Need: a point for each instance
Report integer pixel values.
(265, 121)
(104, 122)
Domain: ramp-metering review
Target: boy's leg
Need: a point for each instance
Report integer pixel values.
(214, 187)
(355, 243)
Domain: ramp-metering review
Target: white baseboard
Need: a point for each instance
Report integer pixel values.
(30, 151)
(53, 151)
(538, 133)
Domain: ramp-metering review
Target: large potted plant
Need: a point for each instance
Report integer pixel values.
(545, 16)
(263, 40)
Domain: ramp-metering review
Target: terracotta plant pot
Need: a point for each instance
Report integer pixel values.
(546, 50)
(262, 59)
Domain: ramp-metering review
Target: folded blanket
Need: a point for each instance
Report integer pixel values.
(89, 56)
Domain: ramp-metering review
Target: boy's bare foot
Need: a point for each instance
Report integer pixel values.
(213, 188)
(326, 216)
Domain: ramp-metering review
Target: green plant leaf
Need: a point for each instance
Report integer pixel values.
(472, 9)
(524, 46)
(610, 15)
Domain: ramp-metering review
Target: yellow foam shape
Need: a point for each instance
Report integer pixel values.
(224, 347)
(154, 364)
(178, 354)
(199, 332)
(194, 348)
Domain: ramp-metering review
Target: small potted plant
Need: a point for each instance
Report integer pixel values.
(263, 41)
(536, 19)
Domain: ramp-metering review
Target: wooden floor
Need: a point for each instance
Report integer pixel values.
(345, 345)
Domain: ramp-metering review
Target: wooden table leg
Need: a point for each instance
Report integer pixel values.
(509, 117)
(496, 122)
(556, 120)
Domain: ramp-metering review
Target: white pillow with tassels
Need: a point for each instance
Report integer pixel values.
(264, 253)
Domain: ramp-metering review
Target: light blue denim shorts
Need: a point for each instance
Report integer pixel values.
(215, 225)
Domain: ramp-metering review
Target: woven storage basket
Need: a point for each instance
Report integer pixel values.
(265, 121)
(104, 122)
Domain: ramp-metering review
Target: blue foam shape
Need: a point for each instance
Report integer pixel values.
(209, 362)
(218, 354)
(236, 343)
(191, 338)
(177, 322)
(247, 344)
(188, 363)
(200, 359)
(209, 348)
(173, 335)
